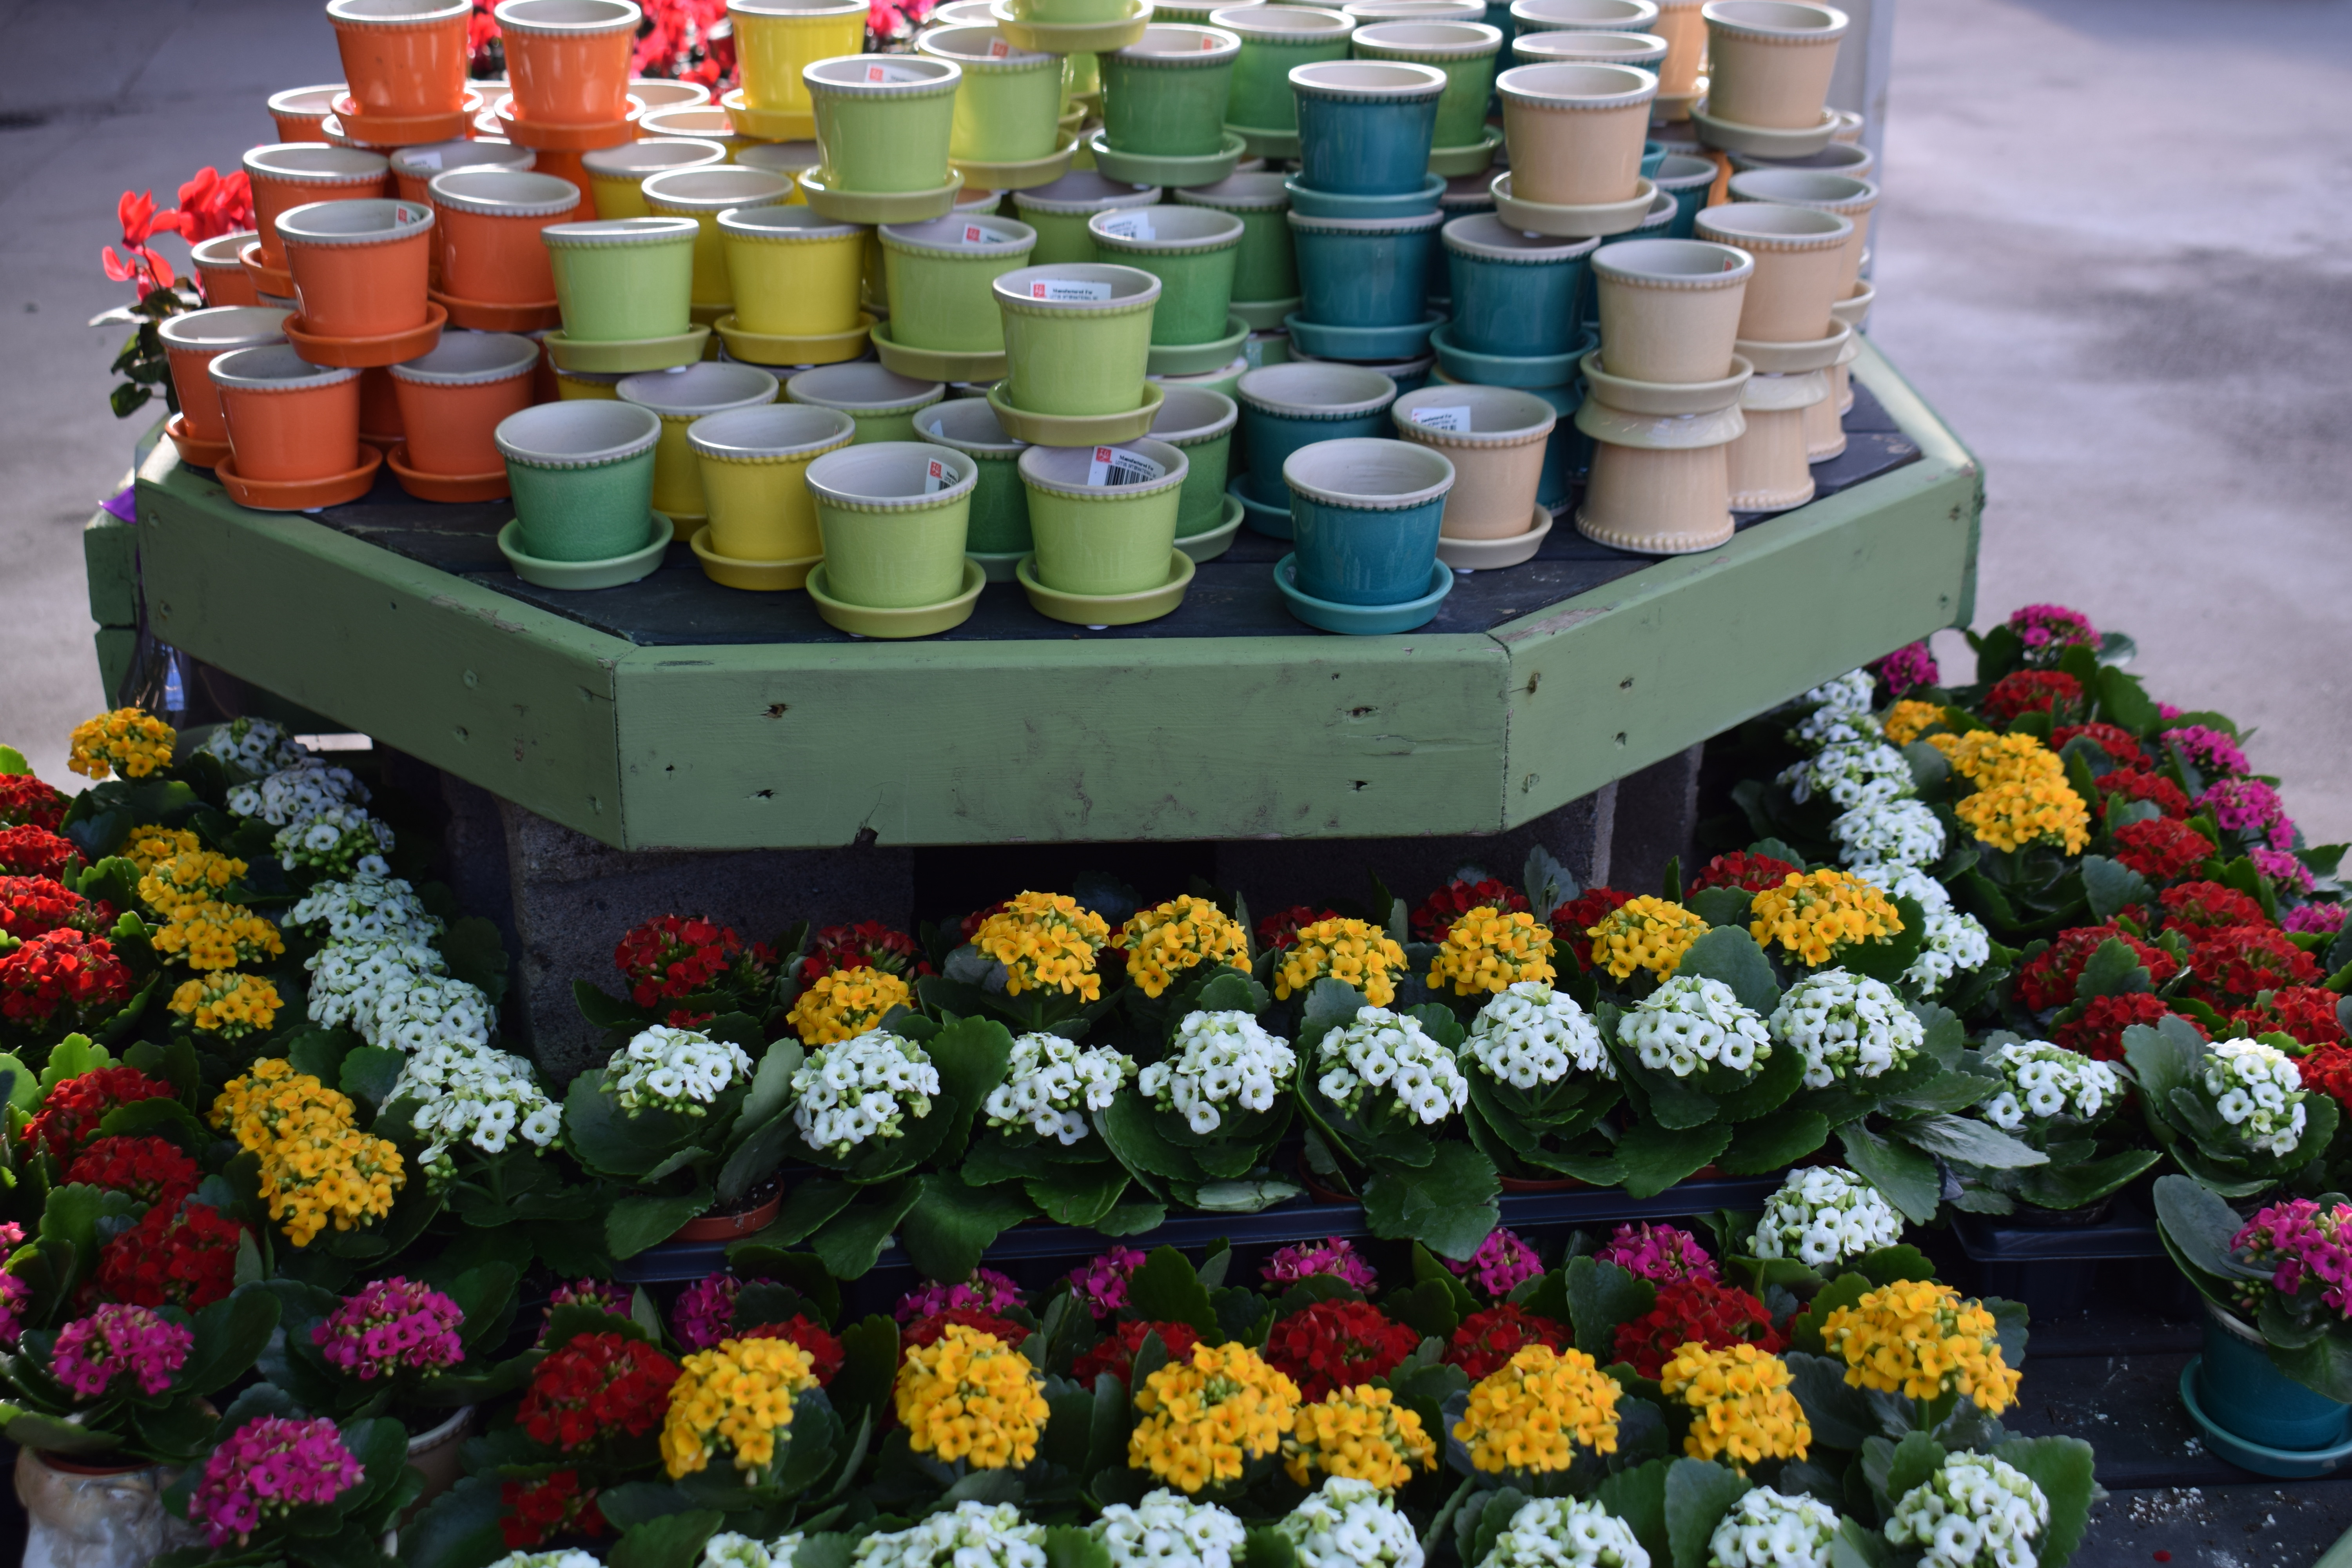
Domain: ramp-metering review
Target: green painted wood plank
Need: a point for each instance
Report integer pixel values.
(110, 558)
(115, 646)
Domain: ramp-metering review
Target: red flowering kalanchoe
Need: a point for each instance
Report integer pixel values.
(670, 957)
(824, 1350)
(30, 906)
(183, 1256)
(931, 1331)
(2031, 691)
(1458, 898)
(869, 944)
(555, 1504)
(2203, 906)
(2306, 1011)
(1280, 929)
(1580, 914)
(1337, 1344)
(2049, 978)
(153, 1169)
(2163, 848)
(2328, 1069)
(72, 1111)
(27, 802)
(1114, 1353)
(2122, 747)
(1751, 873)
(1487, 1340)
(2135, 783)
(30, 851)
(2098, 1033)
(62, 979)
(1716, 1316)
(596, 1388)
(2240, 963)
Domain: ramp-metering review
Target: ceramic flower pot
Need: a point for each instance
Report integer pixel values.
(1583, 15)
(790, 159)
(680, 397)
(884, 122)
(413, 168)
(623, 279)
(601, 385)
(1364, 515)
(754, 468)
(1365, 127)
(661, 92)
(1102, 538)
(1670, 309)
(434, 1454)
(1076, 336)
(87, 1513)
(1366, 13)
(1769, 61)
(775, 40)
(2242, 1391)
(1511, 293)
(616, 176)
(1496, 438)
(999, 502)
(359, 266)
(299, 112)
(1264, 265)
(698, 122)
(1800, 266)
(1192, 251)
(1464, 52)
(1363, 272)
(938, 275)
(1568, 453)
(1274, 39)
(453, 400)
(490, 221)
(1837, 158)
(568, 60)
(1165, 93)
(1684, 29)
(220, 275)
(883, 403)
(1286, 406)
(1199, 423)
(702, 193)
(404, 59)
(583, 476)
(1766, 468)
(1576, 132)
(1688, 181)
(192, 339)
(1060, 212)
(1849, 198)
(792, 273)
(1564, 45)
(893, 517)
(1008, 104)
(1660, 481)
(287, 419)
(291, 175)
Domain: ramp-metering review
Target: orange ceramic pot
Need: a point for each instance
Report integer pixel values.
(292, 173)
(298, 111)
(380, 422)
(413, 168)
(490, 249)
(359, 266)
(565, 167)
(451, 399)
(194, 340)
(225, 279)
(287, 420)
(568, 60)
(403, 59)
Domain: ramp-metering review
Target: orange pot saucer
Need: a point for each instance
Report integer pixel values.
(405, 130)
(300, 495)
(201, 454)
(366, 353)
(269, 280)
(446, 486)
(484, 316)
(562, 138)
(381, 442)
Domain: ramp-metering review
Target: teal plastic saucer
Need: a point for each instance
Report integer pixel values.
(1527, 372)
(1363, 620)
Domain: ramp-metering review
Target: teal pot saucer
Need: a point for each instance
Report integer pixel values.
(1274, 521)
(1528, 372)
(1366, 344)
(1363, 620)
(1309, 201)
(2287, 1464)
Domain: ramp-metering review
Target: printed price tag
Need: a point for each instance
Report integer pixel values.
(936, 476)
(1208, 42)
(998, 48)
(877, 71)
(1129, 226)
(975, 234)
(1455, 417)
(1117, 465)
(1067, 290)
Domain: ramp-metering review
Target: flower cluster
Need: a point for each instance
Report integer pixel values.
(2301, 1244)
(1348, 1523)
(2049, 631)
(1766, 1529)
(972, 1397)
(153, 844)
(704, 1312)
(924, 1333)
(1279, 931)
(986, 1290)
(1919, 1339)
(1532, 1415)
(183, 1256)
(2043, 1081)
(2050, 978)
(296, 794)
(1046, 942)
(670, 957)
(1812, 915)
(2208, 906)
(1741, 1409)
(1566, 1532)
(1116, 1351)
(1658, 1252)
(843, 1004)
(2307, 1014)
(153, 1169)
(968, 1535)
(677, 1070)
(477, 1096)
(1571, 923)
(1740, 869)
(216, 936)
(118, 1340)
(1974, 1511)
(555, 1504)
(1334, 1255)
(1219, 1062)
(129, 741)
(2118, 743)
(341, 839)
(1861, 774)
(61, 978)
(1390, 1052)
(1050, 1082)
(427, 1009)
(1168, 1531)
(2256, 1090)
(1950, 943)
(2098, 1033)
(1101, 1285)
(31, 851)
(1361, 1434)
(1849, 693)
(316, 1167)
(1486, 1341)
(1847, 1024)
(392, 1326)
(594, 1389)
(252, 746)
(2021, 796)
(1695, 1312)
(1644, 933)
(2162, 848)
(226, 1004)
(2209, 750)
(1438, 912)
(735, 1398)
(1336, 1344)
(2249, 806)
(1823, 1215)
(825, 1354)
(1166, 940)
(27, 802)
(1356, 951)
(2240, 963)
(869, 944)
(2032, 691)
(1898, 833)
(265, 1470)
(1908, 669)
(1502, 1263)
(1530, 1034)
(30, 906)
(71, 1112)
(1834, 727)
(604, 1295)
(188, 879)
(1689, 1021)
(2134, 784)
(1488, 950)
(349, 980)
(1206, 1417)
(847, 1094)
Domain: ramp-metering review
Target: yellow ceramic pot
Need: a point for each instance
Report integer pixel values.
(775, 39)
(680, 397)
(754, 466)
(616, 176)
(702, 194)
(794, 274)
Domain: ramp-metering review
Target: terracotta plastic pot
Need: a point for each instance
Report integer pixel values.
(299, 112)
(1769, 61)
(1275, 38)
(582, 475)
(1670, 309)
(793, 273)
(1191, 250)
(754, 466)
(1000, 503)
(1009, 102)
(1102, 538)
(1076, 356)
(1850, 198)
(490, 248)
(894, 516)
(568, 60)
(359, 266)
(1559, 46)
(616, 176)
(223, 276)
(680, 397)
(1464, 52)
(938, 275)
(286, 418)
(884, 122)
(1060, 212)
(413, 168)
(1495, 438)
(1800, 266)
(453, 400)
(194, 340)
(1583, 15)
(775, 40)
(1200, 423)
(1576, 132)
(702, 193)
(1165, 94)
(294, 174)
(1365, 515)
(403, 59)
(623, 279)
(1265, 265)
(882, 402)
(710, 1228)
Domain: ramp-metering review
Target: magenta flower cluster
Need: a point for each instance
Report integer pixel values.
(705, 1312)
(391, 1326)
(1501, 1263)
(2048, 630)
(2290, 875)
(2214, 751)
(985, 1291)
(1659, 1252)
(1101, 1285)
(1908, 669)
(2302, 1242)
(2249, 805)
(13, 1294)
(602, 1294)
(2305, 917)
(119, 1339)
(1334, 1255)
(269, 1467)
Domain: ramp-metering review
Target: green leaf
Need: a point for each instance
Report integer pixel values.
(2063, 1468)
(2109, 886)
(1656, 1157)
(953, 1224)
(1773, 1143)
(1972, 1142)
(603, 1010)
(71, 1058)
(971, 1055)
(1451, 1206)
(370, 1072)
(1599, 1297)
(460, 1528)
(1904, 1176)
(230, 1334)
(869, 1350)
(640, 1221)
(2123, 702)
(1427, 1269)
(1638, 1497)
(1167, 1290)
(1857, 1545)
(852, 1239)
(320, 1053)
(24, 1084)
(2198, 1226)
(12, 762)
(1698, 1494)
(2055, 1186)
(1329, 1004)
(1127, 1124)
(1840, 1414)
(673, 1541)
(1729, 954)
(772, 1085)
(1074, 1546)
(2113, 971)
(1080, 1195)
(1720, 908)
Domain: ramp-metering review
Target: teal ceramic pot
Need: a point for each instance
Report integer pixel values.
(1409, 375)
(1363, 272)
(2244, 1392)
(1687, 179)
(1365, 515)
(1365, 127)
(583, 477)
(1653, 154)
(1286, 406)
(1511, 293)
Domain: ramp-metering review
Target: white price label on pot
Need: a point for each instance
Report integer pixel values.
(936, 476)
(1065, 291)
(975, 234)
(1129, 226)
(1454, 416)
(877, 71)
(1117, 465)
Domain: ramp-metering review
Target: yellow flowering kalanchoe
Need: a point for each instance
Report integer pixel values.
(1646, 932)
(2021, 796)
(1812, 915)
(1741, 1408)
(737, 1397)
(1921, 1339)
(216, 936)
(187, 877)
(1164, 940)
(316, 1167)
(129, 741)
(1206, 1417)
(226, 1004)
(1357, 952)
(971, 1396)
(845, 1003)
(1359, 1434)
(1907, 720)
(1533, 1414)
(1047, 941)
(1486, 951)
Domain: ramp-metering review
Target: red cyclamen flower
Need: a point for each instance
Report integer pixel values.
(2031, 691)
(2050, 977)
(596, 1388)
(214, 204)
(2241, 962)
(1337, 1344)
(2098, 1033)
(1716, 1316)
(1487, 1340)
(2161, 850)
(1458, 898)
(1116, 1352)
(141, 223)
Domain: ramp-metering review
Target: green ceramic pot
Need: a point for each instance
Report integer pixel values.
(1199, 424)
(1264, 267)
(884, 122)
(890, 543)
(938, 275)
(1068, 353)
(999, 502)
(1275, 38)
(1190, 251)
(623, 279)
(583, 476)
(1059, 212)
(883, 402)
(1102, 538)
(1009, 101)
(1061, 11)
(1464, 52)
(1164, 95)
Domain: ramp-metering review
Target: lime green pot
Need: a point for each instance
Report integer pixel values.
(937, 273)
(890, 543)
(1065, 355)
(999, 502)
(583, 477)
(1061, 11)
(1192, 251)
(883, 402)
(1165, 93)
(1102, 538)
(1264, 267)
(1464, 52)
(1275, 38)
(1197, 423)
(1008, 106)
(1059, 212)
(623, 279)
(884, 122)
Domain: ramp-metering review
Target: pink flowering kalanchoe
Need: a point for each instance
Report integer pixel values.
(985, 1291)
(1334, 1255)
(1101, 1284)
(705, 1312)
(604, 1295)
(13, 1294)
(2048, 630)
(269, 1467)
(2301, 1242)
(391, 1326)
(2290, 875)
(1908, 669)
(2306, 917)
(2249, 805)
(2214, 751)
(1658, 1252)
(1502, 1263)
(120, 1340)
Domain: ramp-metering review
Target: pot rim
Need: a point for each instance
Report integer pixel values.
(494, 356)
(762, 431)
(929, 42)
(326, 164)
(770, 157)
(936, 76)
(412, 13)
(1705, 170)
(1578, 85)
(619, 435)
(1612, 262)
(505, 154)
(1225, 199)
(1369, 12)
(1859, 196)
(1807, 228)
(1221, 230)
(706, 386)
(1323, 455)
(1212, 47)
(1482, 40)
(1648, 47)
(1706, 396)
(671, 123)
(932, 421)
(612, 162)
(1267, 394)
(1037, 463)
(865, 387)
(305, 102)
(606, 231)
(221, 250)
(321, 223)
(502, 193)
(687, 189)
(1727, 15)
(1412, 222)
(1298, 24)
(257, 334)
(696, 94)
(1109, 192)
(1483, 234)
(844, 461)
(1141, 289)
(252, 373)
(786, 11)
(1638, 14)
(915, 238)
(783, 222)
(1849, 159)
(1527, 403)
(566, 18)
(1221, 416)
(441, 1432)
(1380, 81)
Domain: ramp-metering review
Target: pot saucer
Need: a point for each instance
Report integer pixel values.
(767, 348)
(1264, 315)
(1092, 610)
(1274, 521)
(1072, 37)
(582, 576)
(936, 365)
(2287, 1464)
(1199, 359)
(626, 356)
(1670, 108)
(1363, 620)
(1662, 399)
(268, 279)
(1762, 140)
(1212, 543)
(483, 316)
(554, 136)
(201, 454)
(1454, 162)
(1169, 173)
(1077, 429)
(759, 577)
(1487, 554)
(1854, 308)
(1368, 344)
(366, 353)
(916, 621)
(1530, 371)
(1259, 142)
(446, 486)
(405, 130)
(1795, 359)
(1309, 201)
(1020, 176)
(1597, 220)
(998, 565)
(878, 207)
(768, 124)
(299, 495)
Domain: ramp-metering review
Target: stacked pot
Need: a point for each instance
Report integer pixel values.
(1768, 63)
(568, 79)
(1788, 334)
(775, 42)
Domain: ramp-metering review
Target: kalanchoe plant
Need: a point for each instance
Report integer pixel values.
(1540, 1080)
(1040, 1131)
(2286, 1272)
(2232, 1113)
(2064, 1104)
(125, 1383)
(1204, 1118)
(286, 1489)
(393, 1346)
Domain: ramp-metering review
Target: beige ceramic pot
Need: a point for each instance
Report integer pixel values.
(1825, 421)
(1768, 61)
(1800, 266)
(1560, 44)
(1854, 310)
(1495, 437)
(1576, 130)
(1661, 479)
(1850, 198)
(1685, 30)
(1767, 467)
(1670, 309)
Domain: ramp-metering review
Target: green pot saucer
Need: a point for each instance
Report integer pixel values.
(935, 365)
(1094, 610)
(998, 565)
(1210, 543)
(1260, 142)
(1598, 219)
(626, 356)
(880, 207)
(916, 621)
(1487, 554)
(1169, 173)
(766, 348)
(1077, 429)
(1021, 176)
(1199, 359)
(1454, 161)
(581, 575)
(1072, 37)
(1264, 315)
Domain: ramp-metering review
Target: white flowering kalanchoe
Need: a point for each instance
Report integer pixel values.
(1350, 1523)
(364, 908)
(974, 1535)
(2046, 1080)
(425, 1008)
(1896, 832)
(348, 979)
(302, 790)
(473, 1094)
(547, 1559)
(1846, 1026)
(1828, 726)
(1849, 693)
(665, 1068)
(1168, 1530)
(1950, 943)
(1909, 882)
(1850, 776)
(1974, 1511)
(253, 747)
(1050, 1083)
(1528, 1035)
(1565, 1532)
(862, 1088)
(729, 1550)
(1218, 1061)
(2258, 1090)
(1391, 1051)
(1766, 1529)
(1821, 1214)
(1690, 1021)
(339, 839)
